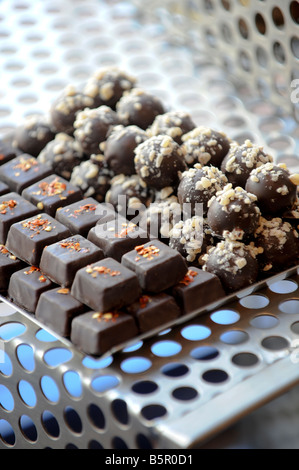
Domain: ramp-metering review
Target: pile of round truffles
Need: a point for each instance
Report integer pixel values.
(227, 207)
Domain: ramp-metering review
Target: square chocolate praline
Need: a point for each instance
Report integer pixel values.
(13, 208)
(61, 260)
(9, 264)
(57, 308)
(95, 333)
(82, 215)
(26, 286)
(7, 152)
(23, 171)
(196, 290)
(157, 266)
(27, 239)
(51, 193)
(153, 310)
(4, 188)
(105, 285)
(117, 237)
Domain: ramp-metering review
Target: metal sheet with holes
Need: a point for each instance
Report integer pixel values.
(227, 360)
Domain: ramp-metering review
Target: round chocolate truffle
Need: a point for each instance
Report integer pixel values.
(198, 185)
(205, 145)
(64, 109)
(93, 180)
(62, 154)
(192, 238)
(138, 107)
(128, 195)
(173, 123)
(92, 127)
(160, 217)
(280, 244)
(241, 160)
(159, 161)
(274, 188)
(233, 213)
(106, 86)
(33, 135)
(234, 263)
(119, 148)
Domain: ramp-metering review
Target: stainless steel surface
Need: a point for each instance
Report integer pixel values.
(184, 387)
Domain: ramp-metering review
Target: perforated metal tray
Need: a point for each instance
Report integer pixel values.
(183, 386)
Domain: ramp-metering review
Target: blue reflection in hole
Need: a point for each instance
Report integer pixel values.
(135, 365)
(283, 287)
(27, 393)
(50, 389)
(25, 355)
(254, 301)
(57, 356)
(6, 398)
(72, 383)
(225, 317)
(92, 363)
(166, 348)
(6, 365)
(134, 347)
(104, 383)
(45, 336)
(195, 332)
(11, 330)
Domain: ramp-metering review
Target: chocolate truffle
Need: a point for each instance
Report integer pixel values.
(51, 193)
(9, 264)
(241, 160)
(197, 186)
(33, 135)
(160, 217)
(159, 161)
(157, 266)
(233, 213)
(96, 333)
(8, 152)
(13, 208)
(56, 308)
(119, 148)
(26, 286)
(173, 123)
(23, 171)
(128, 195)
(279, 242)
(206, 146)
(27, 239)
(139, 107)
(274, 188)
(196, 290)
(64, 109)
(92, 127)
(153, 311)
(234, 263)
(60, 261)
(107, 85)
(93, 180)
(62, 155)
(105, 285)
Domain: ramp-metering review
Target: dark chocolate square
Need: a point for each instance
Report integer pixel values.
(196, 290)
(153, 310)
(61, 260)
(117, 237)
(28, 238)
(156, 265)
(81, 216)
(4, 189)
(7, 152)
(96, 333)
(26, 286)
(22, 171)
(57, 308)
(105, 285)
(9, 264)
(13, 208)
(51, 193)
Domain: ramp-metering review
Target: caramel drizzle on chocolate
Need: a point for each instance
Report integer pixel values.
(146, 252)
(54, 188)
(106, 317)
(188, 278)
(101, 270)
(11, 204)
(37, 225)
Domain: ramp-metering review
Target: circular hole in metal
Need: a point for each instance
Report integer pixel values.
(204, 353)
(28, 428)
(245, 359)
(226, 33)
(280, 143)
(6, 399)
(120, 411)
(234, 337)
(7, 434)
(174, 369)
(294, 11)
(135, 365)
(11, 330)
(27, 393)
(6, 368)
(50, 424)
(50, 389)
(185, 393)
(225, 4)
(166, 348)
(14, 66)
(72, 383)
(260, 23)
(208, 5)
(133, 347)
(289, 306)
(245, 61)
(104, 383)
(118, 443)
(277, 17)
(261, 56)
(264, 322)
(57, 356)
(225, 317)
(93, 444)
(195, 332)
(6, 310)
(92, 363)
(284, 286)
(25, 355)
(279, 52)
(96, 416)
(254, 301)
(153, 411)
(215, 376)
(295, 327)
(143, 442)
(275, 343)
(73, 420)
(210, 38)
(144, 387)
(295, 46)
(271, 124)
(243, 28)
(45, 337)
